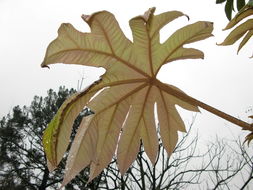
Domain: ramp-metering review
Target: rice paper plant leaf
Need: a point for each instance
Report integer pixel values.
(123, 99)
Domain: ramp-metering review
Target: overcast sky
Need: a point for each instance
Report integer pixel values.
(223, 79)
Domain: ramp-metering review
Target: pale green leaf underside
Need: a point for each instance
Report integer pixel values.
(128, 91)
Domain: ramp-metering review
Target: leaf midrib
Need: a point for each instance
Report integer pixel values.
(135, 90)
(175, 49)
(141, 115)
(106, 36)
(98, 155)
(105, 54)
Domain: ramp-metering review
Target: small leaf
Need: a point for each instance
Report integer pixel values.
(220, 1)
(240, 4)
(228, 8)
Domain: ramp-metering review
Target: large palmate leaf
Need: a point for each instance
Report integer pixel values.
(244, 30)
(124, 98)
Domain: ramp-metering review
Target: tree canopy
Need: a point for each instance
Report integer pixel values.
(23, 161)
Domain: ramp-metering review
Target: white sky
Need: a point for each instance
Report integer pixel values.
(223, 79)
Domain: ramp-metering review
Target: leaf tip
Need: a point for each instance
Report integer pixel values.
(90, 179)
(88, 18)
(85, 17)
(51, 166)
(226, 28)
(188, 18)
(93, 171)
(219, 44)
(148, 13)
(43, 65)
(238, 50)
(210, 24)
(152, 9)
(251, 58)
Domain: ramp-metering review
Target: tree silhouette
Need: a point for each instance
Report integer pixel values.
(23, 162)
(223, 164)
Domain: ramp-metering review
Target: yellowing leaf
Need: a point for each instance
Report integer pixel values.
(239, 31)
(57, 134)
(124, 99)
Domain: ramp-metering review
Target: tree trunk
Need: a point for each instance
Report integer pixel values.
(45, 178)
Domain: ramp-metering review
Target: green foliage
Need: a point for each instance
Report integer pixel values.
(240, 4)
(229, 6)
(241, 29)
(228, 9)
